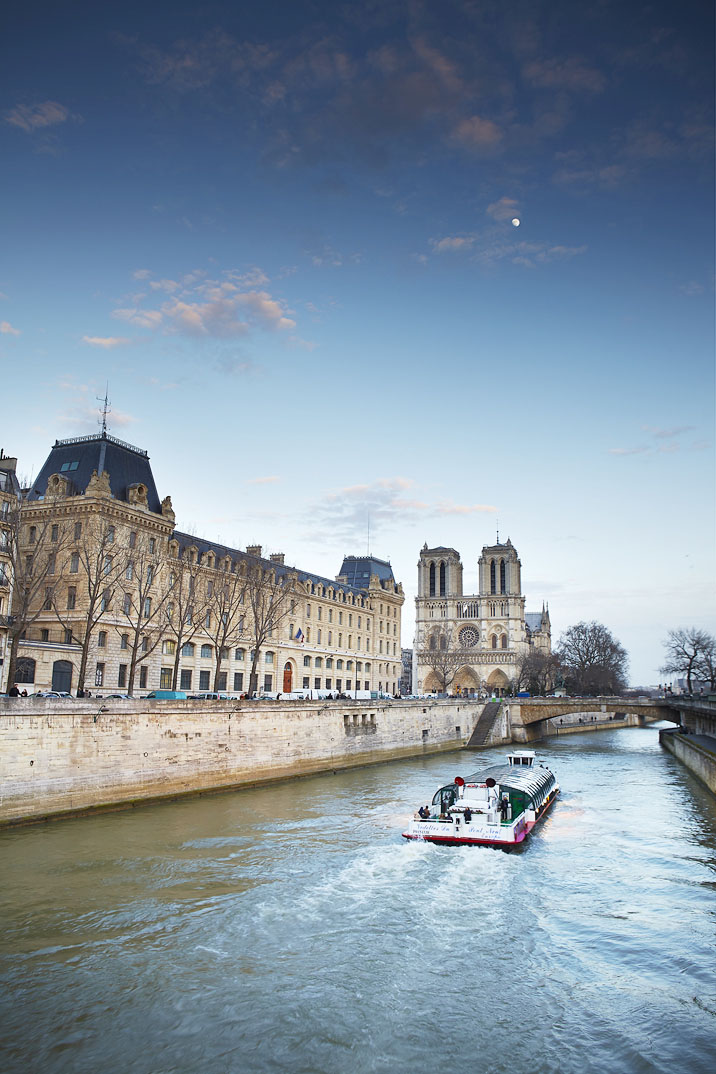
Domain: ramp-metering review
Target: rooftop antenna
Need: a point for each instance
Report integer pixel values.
(368, 549)
(105, 409)
(498, 531)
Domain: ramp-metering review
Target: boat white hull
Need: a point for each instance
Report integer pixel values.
(478, 832)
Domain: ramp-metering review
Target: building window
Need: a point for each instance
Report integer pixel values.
(102, 639)
(307, 661)
(145, 644)
(54, 533)
(110, 535)
(122, 675)
(329, 661)
(152, 545)
(239, 654)
(318, 662)
(165, 678)
(25, 669)
(143, 677)
(339, 665)
(127, 604)
(207, 621)
(74, 562)
(268, 683)
(185, 679)
(494, 641)
(33, 534)
(44, 634)
(306, 682)
(133, 539)
(206, 651)
(187, 649)
(104, 603)
(99, 675)
(124, 641)
(204, 680)
(78, 530)
(503, 641)
(48, 599)
(268, 658)
(238, 680)
(68, 637)
(169, 647)
(328, 684)
(71, 598)
(317, 682)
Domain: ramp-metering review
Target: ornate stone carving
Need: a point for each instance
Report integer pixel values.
(98, 484)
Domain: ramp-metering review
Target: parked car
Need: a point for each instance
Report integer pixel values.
(118, 697)
(210, 695)
(165, 695)
(54, 693)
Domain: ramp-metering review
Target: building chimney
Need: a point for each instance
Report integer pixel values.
(277, 557)
(253, 550)
(6, 463)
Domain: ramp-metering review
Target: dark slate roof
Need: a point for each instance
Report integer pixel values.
(533, 621)
(8, 480)
(188, 540)
(358, 570)
(75, 459)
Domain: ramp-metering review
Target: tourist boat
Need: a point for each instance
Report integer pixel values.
(497, 806)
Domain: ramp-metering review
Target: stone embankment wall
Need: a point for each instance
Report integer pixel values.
(78, 756)
(695, 756)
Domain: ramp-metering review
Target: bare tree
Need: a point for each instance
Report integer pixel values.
(438, 653)
(35, 547)
(536, 671)
(224, 611)
(593, 661)
(687, 650)
(706, 664)
(142, 602)
(95, 564)
(185, 609)
(268, 601)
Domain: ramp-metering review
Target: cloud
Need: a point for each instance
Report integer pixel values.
(263, 480)
(200, 307)
(7, 329)
(667, 434)
(452, 243)
(351, 511)
(629, 451)
(477, 133)
(106, 341)
(34, 117)
(570, 74)
(692, 288)
(504, 209)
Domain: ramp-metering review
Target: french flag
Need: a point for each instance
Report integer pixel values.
(299, 635)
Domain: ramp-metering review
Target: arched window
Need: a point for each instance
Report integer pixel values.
(443, 642)
(494, 641)
(432, 580)
(433, 644)
(493, 577)
(442, 579)
(24, 669)
(503, 588)
(503, 641)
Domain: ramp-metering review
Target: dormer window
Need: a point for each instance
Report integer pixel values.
(68, 466)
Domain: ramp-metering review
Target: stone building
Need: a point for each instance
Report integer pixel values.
(129, 602)
(474, 643)
(9, 499)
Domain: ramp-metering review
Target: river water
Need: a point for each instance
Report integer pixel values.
(292, 929)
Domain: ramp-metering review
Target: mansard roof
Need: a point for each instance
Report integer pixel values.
(358, 570)
(203, 547)
(77, 458)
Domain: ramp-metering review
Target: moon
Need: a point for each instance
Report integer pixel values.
(515, 221)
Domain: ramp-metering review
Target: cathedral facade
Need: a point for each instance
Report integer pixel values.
(473, 644)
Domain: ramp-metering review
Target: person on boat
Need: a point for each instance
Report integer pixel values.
(468, 814)
(424, 812)
(504, 803)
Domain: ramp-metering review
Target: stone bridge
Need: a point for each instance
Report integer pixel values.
(530, 713)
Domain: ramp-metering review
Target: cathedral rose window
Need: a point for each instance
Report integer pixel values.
(468, 637)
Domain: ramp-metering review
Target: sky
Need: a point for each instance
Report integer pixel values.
(362, 276)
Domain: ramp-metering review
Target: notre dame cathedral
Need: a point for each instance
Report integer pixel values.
(484, 636)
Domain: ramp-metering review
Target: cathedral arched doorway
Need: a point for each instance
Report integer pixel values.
(287, 677)
(498, 683)
(62, 675)
(466, 683)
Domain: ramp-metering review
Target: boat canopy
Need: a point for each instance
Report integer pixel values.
(534, 782)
